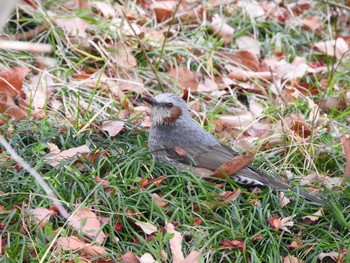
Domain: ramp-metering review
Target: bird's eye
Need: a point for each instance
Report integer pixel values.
(169, 104)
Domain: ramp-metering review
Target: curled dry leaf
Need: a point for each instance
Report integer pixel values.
(233, 166)
(72, 26)
(244, 75)
(54, 159)
(283, 200)
(336, 256)
(312, 219)
(86, 221)
(74, 243)
(283, 223)
(221, 28)
(147, 227)
(297, 123)
(42, 215)
(112, 127)
(11, 80)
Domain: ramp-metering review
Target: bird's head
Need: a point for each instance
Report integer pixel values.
(167, 109)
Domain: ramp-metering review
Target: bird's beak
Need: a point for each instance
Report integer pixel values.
(151, 101)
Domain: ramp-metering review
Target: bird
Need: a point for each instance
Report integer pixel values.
(177, 139)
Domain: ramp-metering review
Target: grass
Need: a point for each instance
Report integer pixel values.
(193, 203)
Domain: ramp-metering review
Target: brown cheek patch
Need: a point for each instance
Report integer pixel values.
(175, 113)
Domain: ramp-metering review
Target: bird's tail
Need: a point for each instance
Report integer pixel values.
(251, 176)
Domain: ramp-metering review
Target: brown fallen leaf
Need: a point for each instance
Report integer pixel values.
(245, 75)
(233, 166)
(283, 200)
(175, 243)
(335, 256)
(222, 29)
(239, 244)
(345, 140)
(159, 200)
(147, 258)
(86, 221)
(54, 159)
(42, 215)
(338, 48)
(11, 80)
(292, 259)
(312, 219)
(184, 78)
(283, 223)
(73, 243)
(294, 245)
(249, 44)
(229, 196)
(313, 23)
(112, 127)
(129, 257)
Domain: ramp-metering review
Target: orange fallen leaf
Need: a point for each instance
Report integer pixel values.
(294, 245)
(229, 196)
(233, 166)
(292, 259)
(159, 200)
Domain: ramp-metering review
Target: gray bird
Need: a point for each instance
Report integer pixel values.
(177, 139)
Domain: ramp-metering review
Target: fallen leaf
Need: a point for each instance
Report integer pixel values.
(54, 159)
(283, 223)
(249, 44)
(71, 26)
(147, 258)
(175, 244)
(229, 196)
(309, 179)
(159, 200)
(338, 48)
(292, 259)
(336, 256)
(42, 215)
(193, 257)
(294, 245)
(312, 219)
(313, 23)
(73, 243)
(112, 127)
(129, 257)
(239, 244)
(86, 221)
(11, 80)
(283, 200)
(297, 123)
(345, 140)
(146, 227)
(184, 78)
(244, 75)
(221, 28)
(207, 86)
(231, 167)
(239, 120)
